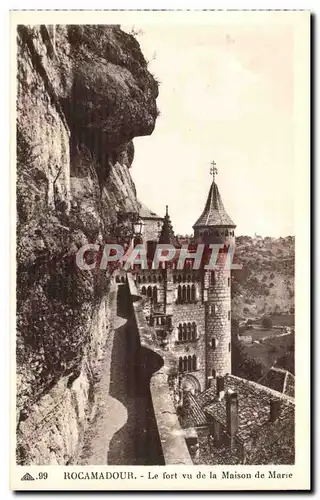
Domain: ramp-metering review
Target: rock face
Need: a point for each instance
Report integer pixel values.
(84, 92)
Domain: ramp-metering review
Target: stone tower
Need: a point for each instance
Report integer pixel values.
(214, 226)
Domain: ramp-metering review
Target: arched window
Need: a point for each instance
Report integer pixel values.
(188, 294)
(155, 294)
(189, 278)
(123, 279)
(185, 364)
(180, 365)
(149, 291)
(184, 278)
(117, 279)
(179, 278)
(184, 293)
(138, 278)
(194, 331)
(150, 279)
(212, 309)
(179, 294)
(180, 332)
(174, 278)
(226, 232)
(193, 293)
(143, 279)
(154, 278)
(184, 335)
(213, 373)
(143, 290)
(189, 331)
(189, 363)
(213, 343)
(194, 362)
(159, 278)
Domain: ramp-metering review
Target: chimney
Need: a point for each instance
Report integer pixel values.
(232, 415)
(275, 407)
(220, 387)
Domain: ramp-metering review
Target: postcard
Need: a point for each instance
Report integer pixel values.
(160, 230)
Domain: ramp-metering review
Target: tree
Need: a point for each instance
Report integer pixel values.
(267, 322)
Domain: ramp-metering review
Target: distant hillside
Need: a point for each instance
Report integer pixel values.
(265, 285)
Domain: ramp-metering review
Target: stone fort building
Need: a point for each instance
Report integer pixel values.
(190, 309)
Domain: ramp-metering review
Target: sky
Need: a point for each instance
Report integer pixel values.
(225, 94)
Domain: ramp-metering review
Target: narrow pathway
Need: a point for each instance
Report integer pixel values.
(118, 434)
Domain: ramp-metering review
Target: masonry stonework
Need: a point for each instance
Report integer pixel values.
(190, 309)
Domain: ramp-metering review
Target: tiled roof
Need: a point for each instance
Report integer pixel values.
(195, 415)
(279, 379)
(146, 213)
(214, 213)
(253, 405)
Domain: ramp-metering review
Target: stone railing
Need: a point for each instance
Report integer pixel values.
(173, 444)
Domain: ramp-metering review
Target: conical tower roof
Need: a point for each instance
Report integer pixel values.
(214, 213)
(167, 233)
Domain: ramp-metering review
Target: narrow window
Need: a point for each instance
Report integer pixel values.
(185, 364)
(229, 346)
(155, 294)
(228, 282)
(184, 331)
(213, 343)
(213, 278)
(213, 373)
(180, 365)
(179, 293)
(229, 314)
(180, 332)
(188, 294)
(184, 294)
(193, 293)
(189, 363)
(189, 331)
(143, 290)
(194, 331)
(194, 362)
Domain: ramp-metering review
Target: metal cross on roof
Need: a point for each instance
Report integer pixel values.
(213, 170)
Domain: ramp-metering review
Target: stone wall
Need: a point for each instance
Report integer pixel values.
(52, 431)
(218, 306)
(173, 444)
(184, 313)
(83, 93)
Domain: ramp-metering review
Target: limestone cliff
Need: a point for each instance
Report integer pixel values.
(84, 92)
